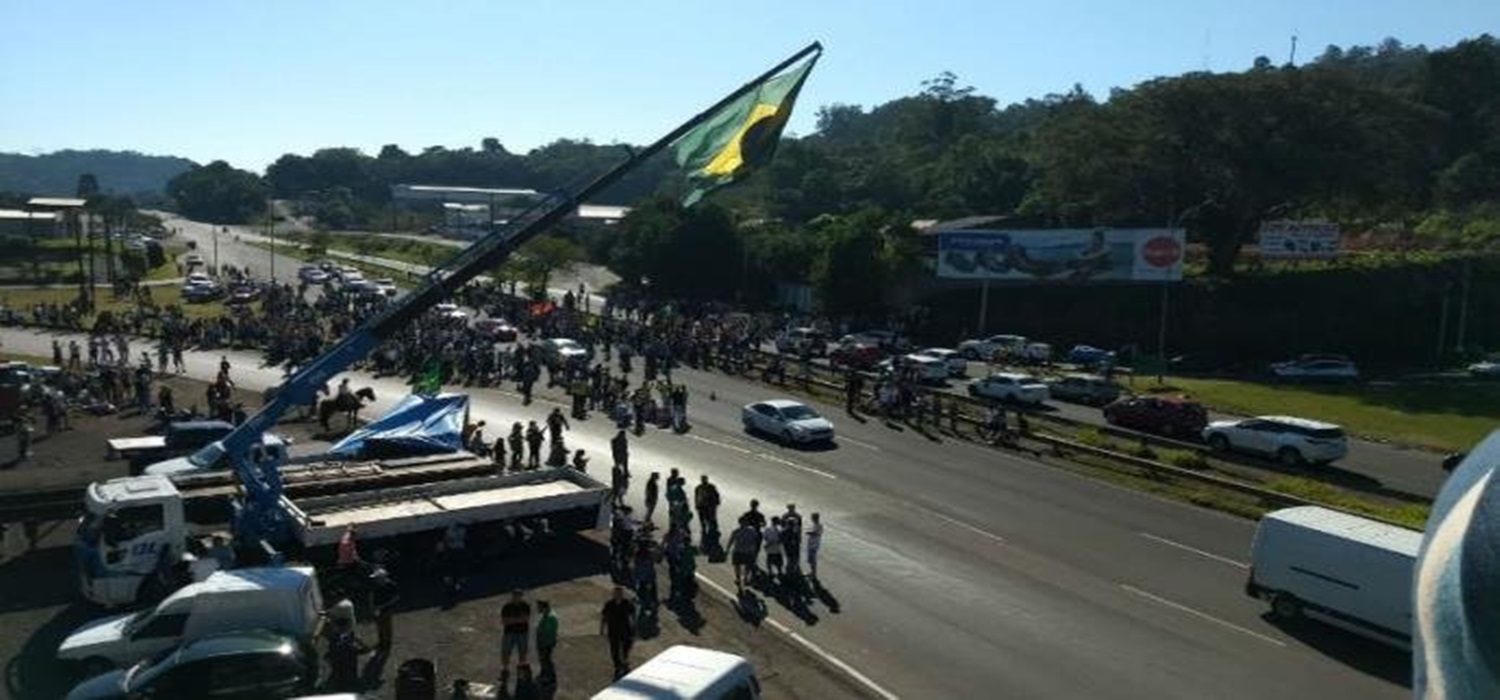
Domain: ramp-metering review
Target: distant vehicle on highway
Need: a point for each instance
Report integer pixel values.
(451, 310)
(312, 274)
(1090, 355)
(957, 365)
(790, 421)
(794, 341)
(192, 260)
(496, 328)
(1341, 569)
(1163, 415)
(1336, 368)
(385, 286)
(928, 369)
(1090, 389)
(1293, 442)
(1488, 368)
(1010, 386)
(992, 347)
(860, 356)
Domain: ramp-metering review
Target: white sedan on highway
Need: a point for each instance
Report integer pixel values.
(1010, 386)
(791, 421)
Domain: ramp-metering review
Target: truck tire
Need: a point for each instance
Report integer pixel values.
(1285, 606)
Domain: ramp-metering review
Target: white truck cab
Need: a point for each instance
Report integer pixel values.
(284, 600)
(130, 527)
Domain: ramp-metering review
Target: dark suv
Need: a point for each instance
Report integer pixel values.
(1165, 415)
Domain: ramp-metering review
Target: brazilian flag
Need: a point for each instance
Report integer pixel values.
(740, 137)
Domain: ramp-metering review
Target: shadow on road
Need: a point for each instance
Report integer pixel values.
(1362, 654)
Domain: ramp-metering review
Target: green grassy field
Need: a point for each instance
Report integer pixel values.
(1450, 417)
(166, 295)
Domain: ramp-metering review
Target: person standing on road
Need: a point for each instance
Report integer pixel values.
(517, 445)
(617, 622)
(384, 598)
(791, 538)
(775, 564)
(534, 441)
(556, 424)
(619, 448)
(515, 621)
(853, 385)
(814, 543)
(706, 500)
(546, 642)
(653, 491)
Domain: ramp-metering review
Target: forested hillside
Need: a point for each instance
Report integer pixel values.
(118, 172)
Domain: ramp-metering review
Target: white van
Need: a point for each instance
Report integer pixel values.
(687, 673)
(282, 600)
(1347, 571)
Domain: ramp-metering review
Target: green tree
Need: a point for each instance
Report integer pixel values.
(852, 270)
(543, 255)
(218, 194)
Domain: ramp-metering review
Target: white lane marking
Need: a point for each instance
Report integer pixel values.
(1202, 615)
(807, 644)
(861, 443)
(1194, 550)
(794, 465)
(724, 445)
(534, 397)
(962, 524)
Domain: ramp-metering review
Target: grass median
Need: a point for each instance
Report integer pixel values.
(1450, 417)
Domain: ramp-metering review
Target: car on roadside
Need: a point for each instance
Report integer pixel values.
(889, 341)
(957, 365)
(926, 368)
(794, 341)
(860, 356)
(1310, 368)
(791, 421)
(192, 260)
(496, 328)
(1173, 416)
(1089, 355)
(1292, 441)
(1488, 368)
(1010, 386)
(232, 665)
(563, 351)
(1089, 389)
(200, 291)
(243, 294)
(992, 348)
(306, 272)
(1035, 354)
(385, 287)
(451, 311)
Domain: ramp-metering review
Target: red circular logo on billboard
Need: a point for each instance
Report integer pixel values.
(1162, 251)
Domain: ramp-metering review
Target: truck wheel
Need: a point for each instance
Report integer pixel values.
(1286, 606)
(1289, 456)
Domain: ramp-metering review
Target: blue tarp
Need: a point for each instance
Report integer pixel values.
(417, 425)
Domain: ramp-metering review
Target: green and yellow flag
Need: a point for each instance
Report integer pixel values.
(740, 137)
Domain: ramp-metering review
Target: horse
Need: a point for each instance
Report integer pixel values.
(348, 404)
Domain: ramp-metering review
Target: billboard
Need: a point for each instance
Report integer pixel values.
(1062, 255)
(1305, 240)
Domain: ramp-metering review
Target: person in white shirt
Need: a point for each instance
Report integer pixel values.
(814, 543)
(771, 540)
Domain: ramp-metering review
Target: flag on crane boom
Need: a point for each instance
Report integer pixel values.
(742, 136)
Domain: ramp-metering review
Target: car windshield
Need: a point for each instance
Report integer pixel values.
(798, 412)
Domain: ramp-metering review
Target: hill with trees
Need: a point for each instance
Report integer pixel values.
(118, 172)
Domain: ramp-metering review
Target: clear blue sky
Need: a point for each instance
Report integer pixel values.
(249, 80)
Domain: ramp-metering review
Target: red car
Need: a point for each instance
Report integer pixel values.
(861, 356)
(1165, 415)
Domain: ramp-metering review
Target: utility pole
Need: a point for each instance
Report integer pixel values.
(1292, 59)
(1161, 336)
(1442, 333)
(984, 306)
(1463, 307)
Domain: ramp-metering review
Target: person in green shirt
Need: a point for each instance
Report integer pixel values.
(546, 641)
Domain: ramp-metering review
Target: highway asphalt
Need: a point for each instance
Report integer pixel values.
(959, 571)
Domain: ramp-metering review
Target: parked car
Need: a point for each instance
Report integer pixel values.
(1488, 368)
(1035, 354)
(1089, 389)
(957, 365)
(861, 356)
(890, 341)
(928, 369)
(1291, 441)
(989, 348)
(1316, 368)
(1010, 386)
(257, 663)
(306, 273)
(794, 341)
(791, 421)
(192, 260)
(192, 292)
(385, 286)
(243, 294)
(1090, 355)
(1164, 415)
(563, 351)
(496, 328)
(450, 311)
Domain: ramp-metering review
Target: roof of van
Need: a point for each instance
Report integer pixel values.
(251, 579)
(679, 672)
(1353, 527)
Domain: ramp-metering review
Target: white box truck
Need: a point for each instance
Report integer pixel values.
(1341, 569)
(280, 599)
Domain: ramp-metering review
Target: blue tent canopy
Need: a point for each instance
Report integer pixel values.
(417, 425)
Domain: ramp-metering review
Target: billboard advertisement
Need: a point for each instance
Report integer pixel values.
(1062, 255)
(1304, 240)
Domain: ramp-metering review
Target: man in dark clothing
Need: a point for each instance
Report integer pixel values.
(854, 384)
(343, 658)
(556, 424)
(653, 490)
(534, 443)
(791, 538)
(619, 448)
(706, 500)
(384, 598)
(517, 445)
(617, 621)
(515, 621)
(754, 517)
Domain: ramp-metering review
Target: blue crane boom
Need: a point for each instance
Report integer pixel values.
(262, 516)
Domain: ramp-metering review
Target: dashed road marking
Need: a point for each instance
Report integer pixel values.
(959, 523)
(794, 465)
(716, 443)
(861, 443)
(1201, 615)
(1195, 550)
